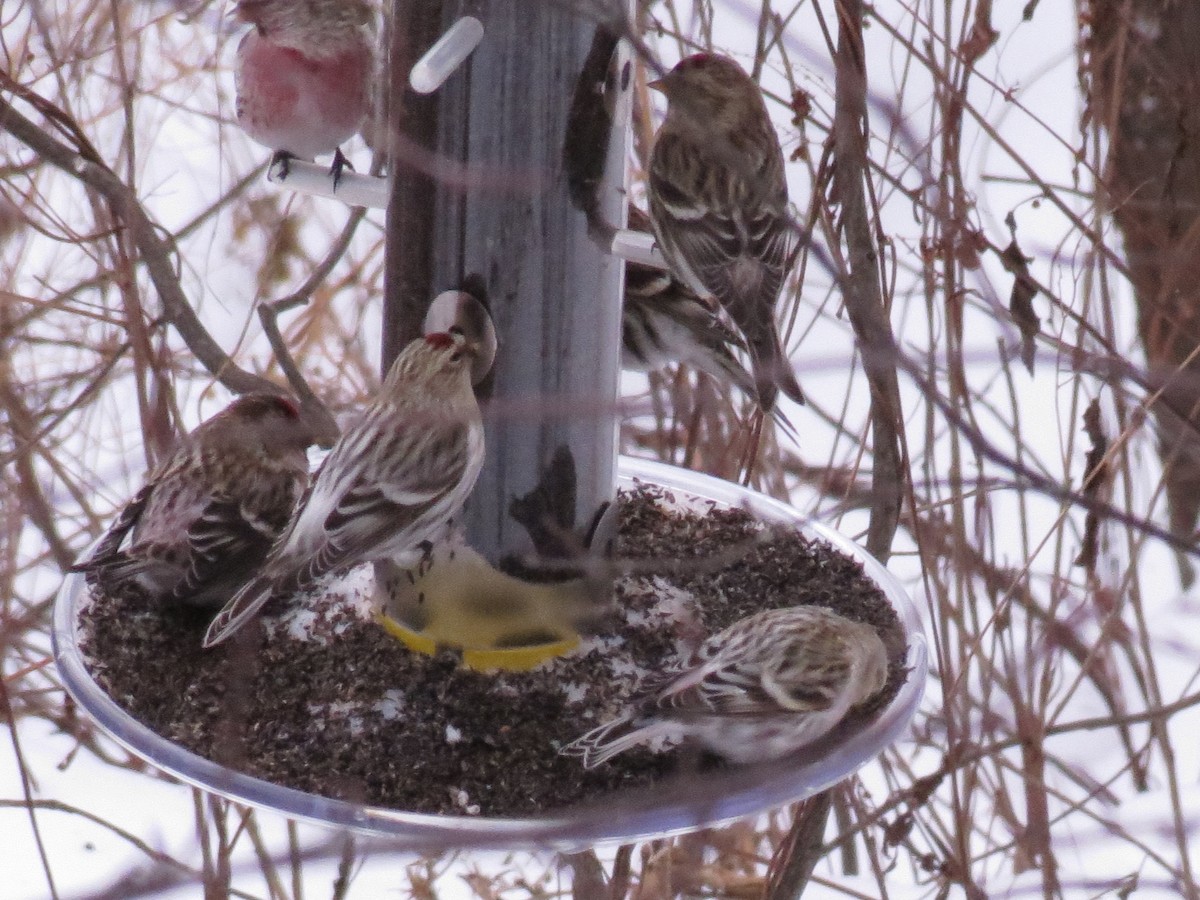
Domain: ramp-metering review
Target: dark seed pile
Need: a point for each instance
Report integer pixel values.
(352, 714)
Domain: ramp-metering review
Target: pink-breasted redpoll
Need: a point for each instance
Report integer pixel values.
(207, 516)
(303, 75)
(718, 203)
(389, 486)
(761, 689)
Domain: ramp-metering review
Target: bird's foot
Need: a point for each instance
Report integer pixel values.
(423, 567)
(281, 165)
(339, 163)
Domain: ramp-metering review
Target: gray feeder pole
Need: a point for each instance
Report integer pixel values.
(479, 188)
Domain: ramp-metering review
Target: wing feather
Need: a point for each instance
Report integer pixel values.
(107, 550)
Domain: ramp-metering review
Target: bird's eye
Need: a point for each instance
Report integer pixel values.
(287, 407)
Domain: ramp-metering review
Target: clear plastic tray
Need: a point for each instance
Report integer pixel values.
(673, 807)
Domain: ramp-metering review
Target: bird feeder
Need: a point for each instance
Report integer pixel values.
(478, 193)
(675, 805)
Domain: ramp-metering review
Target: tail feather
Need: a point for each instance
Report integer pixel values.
(772, 370)
(115, 569)
(241, 609)
(723, 366)
(785, 424)
(108, 551)
(603, 743)
(119, 572)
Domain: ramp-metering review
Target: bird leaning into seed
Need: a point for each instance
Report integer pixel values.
(207, 516)
(718, 204)
(303, 75)
(761, 689)
(389, 486)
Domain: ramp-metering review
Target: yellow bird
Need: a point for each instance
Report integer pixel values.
(455, 598)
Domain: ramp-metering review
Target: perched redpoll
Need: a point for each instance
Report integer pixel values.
(389, 486)
(206, 517)
(718, 203)
(761, 689)
(303, 75)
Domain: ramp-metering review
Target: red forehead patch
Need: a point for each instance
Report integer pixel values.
(290, 409)
(261, 403)
(440, 340)
(696, 61)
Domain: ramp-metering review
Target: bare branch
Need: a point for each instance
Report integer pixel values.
(83, 164)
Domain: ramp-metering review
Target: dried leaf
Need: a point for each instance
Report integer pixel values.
(981, 37)
(1096, 479)
(1020, 304)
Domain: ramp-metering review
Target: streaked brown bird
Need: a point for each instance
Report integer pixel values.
(206, 518)
(663, 322)
(718, 204)
(390, 485)
(762, 689)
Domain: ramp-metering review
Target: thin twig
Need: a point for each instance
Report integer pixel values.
(862, 284)
(7, 715)
(268, 313)
(793, 864)
(84, 164)
(345, 869)
(588, 881)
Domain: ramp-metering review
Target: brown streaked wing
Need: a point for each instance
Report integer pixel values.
(424, 467)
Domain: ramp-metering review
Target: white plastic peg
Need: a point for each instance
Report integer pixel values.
(353, 188)
(440, 60)
(639, 247)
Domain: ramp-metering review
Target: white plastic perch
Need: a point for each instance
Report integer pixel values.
(314, 178)
(638, 247)
(440, 60)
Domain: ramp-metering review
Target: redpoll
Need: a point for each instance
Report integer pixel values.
(664, 322)
(206, 517)
(303, 75)
(761, 689)
(389, 486)
(718, 203)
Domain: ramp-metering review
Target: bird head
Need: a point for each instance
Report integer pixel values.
(871, 661)
(272, 421)
(436, 367)
(312, 24)
(708, 86)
